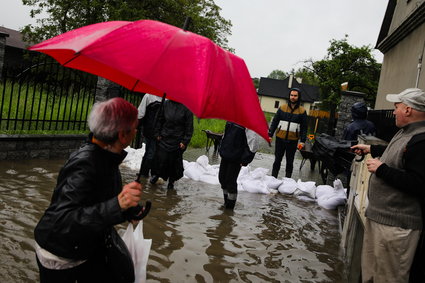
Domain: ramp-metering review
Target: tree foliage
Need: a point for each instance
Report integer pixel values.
(65, 15)
(346, 63)
(278, 75)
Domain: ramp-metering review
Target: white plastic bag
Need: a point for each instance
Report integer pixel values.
(139, 249)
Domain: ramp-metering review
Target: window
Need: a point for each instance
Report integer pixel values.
(276, 104)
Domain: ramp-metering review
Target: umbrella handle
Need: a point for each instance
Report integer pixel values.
(138, 212)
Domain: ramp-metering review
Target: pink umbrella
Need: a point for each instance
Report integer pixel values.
(153, 57)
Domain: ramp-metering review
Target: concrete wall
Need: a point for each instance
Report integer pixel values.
(403, 49)
(13, 147)
(400, 67)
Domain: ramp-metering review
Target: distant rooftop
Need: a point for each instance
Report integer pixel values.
(14, 39)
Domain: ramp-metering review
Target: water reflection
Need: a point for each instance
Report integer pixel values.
(269, 238)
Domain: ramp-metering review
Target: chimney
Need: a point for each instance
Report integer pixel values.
(291, 77)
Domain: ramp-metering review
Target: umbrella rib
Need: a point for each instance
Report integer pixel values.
(75, 56)
(135, 84)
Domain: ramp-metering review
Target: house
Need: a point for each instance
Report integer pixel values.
(273, 93)
(402, 41)
(14, 47)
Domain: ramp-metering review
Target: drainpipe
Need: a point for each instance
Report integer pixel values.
(419, 65)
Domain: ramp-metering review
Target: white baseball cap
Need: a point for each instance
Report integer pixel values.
(413, 97)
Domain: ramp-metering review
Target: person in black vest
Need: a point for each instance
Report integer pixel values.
(237, 149)
(173, 132)
(359, 125)
(148, 109)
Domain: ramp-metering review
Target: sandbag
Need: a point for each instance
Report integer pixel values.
(306, 189)
(272, 182)
(288, 186)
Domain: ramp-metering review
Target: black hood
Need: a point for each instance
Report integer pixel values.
(299, 95)
(359, 111)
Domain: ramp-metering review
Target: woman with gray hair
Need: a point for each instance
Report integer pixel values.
(89, 200)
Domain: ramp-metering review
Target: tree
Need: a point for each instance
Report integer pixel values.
(346, 63)
(256, 82)
(307, 76)
(65, 15)
(278, 75)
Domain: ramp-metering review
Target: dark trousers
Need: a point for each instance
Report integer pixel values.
(228, 174)
(148, 157)
(91, 271)
(283, 147)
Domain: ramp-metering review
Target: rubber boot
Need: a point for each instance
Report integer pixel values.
(225, 198)
(230, 204)
(170, 185)
(154, 179)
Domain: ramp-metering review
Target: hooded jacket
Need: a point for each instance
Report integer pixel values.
(291, 123)
(235, 144)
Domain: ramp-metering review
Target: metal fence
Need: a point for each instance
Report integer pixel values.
(384, 121)
(48, 97)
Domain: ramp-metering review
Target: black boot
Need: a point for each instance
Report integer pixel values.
(154, 179)
(288, 174)
(170, 185)
(275, 173)
(225, 199)
(230, 204)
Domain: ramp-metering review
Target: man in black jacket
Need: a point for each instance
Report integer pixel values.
(148, 116)
(359, 125)
(396, 191)
(237, 149)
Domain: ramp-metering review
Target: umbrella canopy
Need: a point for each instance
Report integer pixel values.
(154, 57)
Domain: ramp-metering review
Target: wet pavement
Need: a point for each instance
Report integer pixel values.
(268, 238)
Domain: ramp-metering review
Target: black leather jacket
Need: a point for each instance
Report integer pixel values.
(84, 204)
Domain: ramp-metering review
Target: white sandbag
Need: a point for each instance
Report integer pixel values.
(243, 174)
(139, 249)
(185, 163)
(338, 184)
(194, 171)
(255, 186)
(203, 161)
(332, 202)
(210, 179)
(306, 189)
(288, 186)
(272, 182)
(323, 190)
(259, 173)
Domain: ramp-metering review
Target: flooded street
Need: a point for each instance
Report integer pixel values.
(268, 238)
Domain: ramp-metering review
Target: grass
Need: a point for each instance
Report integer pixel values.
(199, 138)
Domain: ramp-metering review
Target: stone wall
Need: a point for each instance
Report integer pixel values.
(348, 98)
(13, 147)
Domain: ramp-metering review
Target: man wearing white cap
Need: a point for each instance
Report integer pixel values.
(396, 189)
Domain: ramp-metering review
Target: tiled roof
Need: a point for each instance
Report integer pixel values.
(14, 39)
(280, 89)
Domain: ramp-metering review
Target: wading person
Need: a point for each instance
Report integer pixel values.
(290, 121)
(237, 149)
(148, 110)
(173, 131)
(89, 200)
(396, 190)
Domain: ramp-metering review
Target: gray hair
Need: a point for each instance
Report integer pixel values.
(109, 117)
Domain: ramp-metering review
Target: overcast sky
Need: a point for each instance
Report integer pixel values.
(275, 34)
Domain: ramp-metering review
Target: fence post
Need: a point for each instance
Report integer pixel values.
(105, 89)
(348, 98)
(2, 51)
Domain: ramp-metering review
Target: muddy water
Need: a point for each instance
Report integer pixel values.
(268, 238)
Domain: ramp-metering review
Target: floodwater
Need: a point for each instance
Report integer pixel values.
(268, 238)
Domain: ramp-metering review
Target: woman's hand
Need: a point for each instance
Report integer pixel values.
(130, 195)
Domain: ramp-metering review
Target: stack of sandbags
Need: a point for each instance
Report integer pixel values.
(200, 170)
